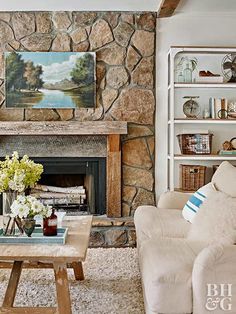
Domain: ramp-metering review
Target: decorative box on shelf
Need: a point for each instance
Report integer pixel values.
(198, 144)
(192, 177)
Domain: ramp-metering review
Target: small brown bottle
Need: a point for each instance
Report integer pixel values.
(50, 225)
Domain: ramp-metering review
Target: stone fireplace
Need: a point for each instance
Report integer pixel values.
(124, 43)
(76, 154)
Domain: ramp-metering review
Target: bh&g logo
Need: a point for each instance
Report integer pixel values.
(219, 297)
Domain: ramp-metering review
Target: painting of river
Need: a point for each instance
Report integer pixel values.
(50, 79)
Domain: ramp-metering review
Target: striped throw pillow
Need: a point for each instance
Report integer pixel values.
(193, 204)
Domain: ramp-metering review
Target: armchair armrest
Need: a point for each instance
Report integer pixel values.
(215, 269)
(173, 200)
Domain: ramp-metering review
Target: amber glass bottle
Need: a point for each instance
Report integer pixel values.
(50, 225)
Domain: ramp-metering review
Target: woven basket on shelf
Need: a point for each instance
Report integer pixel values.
(195, 144)
(192, 177)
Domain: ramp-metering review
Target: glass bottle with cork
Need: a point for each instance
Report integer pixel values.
(50, 224)
(188, 74)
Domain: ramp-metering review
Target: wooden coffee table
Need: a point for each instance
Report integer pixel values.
(59, 257)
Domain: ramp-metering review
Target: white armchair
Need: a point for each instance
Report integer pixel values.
(175, 271)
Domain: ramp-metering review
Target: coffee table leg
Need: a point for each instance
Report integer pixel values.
(78, 270)
(62, 285)
(12, 284)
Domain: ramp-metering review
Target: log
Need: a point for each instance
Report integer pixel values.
(63, 201)
(53, 195)
(57, 189)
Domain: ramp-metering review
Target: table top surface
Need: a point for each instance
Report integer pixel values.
(75, 248)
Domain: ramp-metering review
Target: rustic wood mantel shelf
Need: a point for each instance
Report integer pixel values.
(111, 129)
(62, 128)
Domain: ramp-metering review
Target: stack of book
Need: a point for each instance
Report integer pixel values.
(227, 152)
(217, 104)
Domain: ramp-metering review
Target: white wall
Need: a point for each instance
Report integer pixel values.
(202, 28)
(79, 5)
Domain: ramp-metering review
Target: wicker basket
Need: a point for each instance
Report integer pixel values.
(192, 177)
(195, 144)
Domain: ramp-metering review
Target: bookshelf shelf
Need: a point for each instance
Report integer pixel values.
(209, 58)
(203, 121)
(205, 85)
(204, 157)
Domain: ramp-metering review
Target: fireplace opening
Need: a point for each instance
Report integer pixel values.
(76, 185)
(73, 193)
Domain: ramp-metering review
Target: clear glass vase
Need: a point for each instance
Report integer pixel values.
(9, 224)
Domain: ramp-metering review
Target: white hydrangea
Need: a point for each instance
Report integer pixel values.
(18, 174)
(17, 183)
(28, 207)
(3, 177)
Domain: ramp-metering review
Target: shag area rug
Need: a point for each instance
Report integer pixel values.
(112, 284)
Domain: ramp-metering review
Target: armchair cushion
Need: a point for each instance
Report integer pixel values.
(215, 221)
(166, 268)
(224, 178)
(173, 200)
(152, 222)
(196, 200)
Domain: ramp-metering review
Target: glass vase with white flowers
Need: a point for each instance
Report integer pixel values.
(25, 208)
(16, 176)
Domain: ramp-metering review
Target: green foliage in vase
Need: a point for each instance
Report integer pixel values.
(18, 174)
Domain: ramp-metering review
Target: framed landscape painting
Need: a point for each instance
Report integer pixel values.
(50, 79)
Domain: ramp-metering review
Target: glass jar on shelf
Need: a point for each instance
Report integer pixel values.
(187, 74)
(206, 113)
(186, 69)
(181, 77)
(232, 107)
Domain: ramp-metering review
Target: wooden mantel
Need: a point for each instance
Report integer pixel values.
(62, 128)
(111, 129)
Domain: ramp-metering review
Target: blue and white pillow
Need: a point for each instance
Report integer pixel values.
(193, 204)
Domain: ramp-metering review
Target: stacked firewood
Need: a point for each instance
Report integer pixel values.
(53, 195)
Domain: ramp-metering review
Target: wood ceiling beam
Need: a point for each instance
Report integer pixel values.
(167, 8)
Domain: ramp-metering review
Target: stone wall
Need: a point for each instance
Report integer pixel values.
(112, 232)
(125, 48)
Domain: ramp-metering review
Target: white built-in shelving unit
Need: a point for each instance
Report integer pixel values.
(209, 58)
